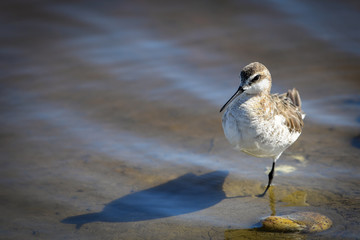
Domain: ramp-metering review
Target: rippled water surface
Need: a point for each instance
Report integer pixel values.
(110, 124)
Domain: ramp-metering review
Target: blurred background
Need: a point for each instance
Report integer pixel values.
(110, 124)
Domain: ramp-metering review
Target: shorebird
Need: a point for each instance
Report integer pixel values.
(259, 123)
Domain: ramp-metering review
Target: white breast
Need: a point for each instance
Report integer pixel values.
(254, 135)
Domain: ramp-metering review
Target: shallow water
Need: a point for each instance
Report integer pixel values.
(110, 124)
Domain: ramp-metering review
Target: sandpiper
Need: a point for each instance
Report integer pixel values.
(259, 123)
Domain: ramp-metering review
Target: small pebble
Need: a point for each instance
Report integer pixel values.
(306, 222)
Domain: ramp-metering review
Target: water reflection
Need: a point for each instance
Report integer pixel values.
(256, 234)
(272, 201)
(322, 22)
(338, 110)
(296, 198)
(355, 142)
(186, 194)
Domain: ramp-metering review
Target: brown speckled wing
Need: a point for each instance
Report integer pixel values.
(289, 105)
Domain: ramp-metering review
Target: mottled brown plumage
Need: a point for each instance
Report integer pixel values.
(289, 105)
(259, 123)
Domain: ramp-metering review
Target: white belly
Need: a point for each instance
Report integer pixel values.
(256, 136)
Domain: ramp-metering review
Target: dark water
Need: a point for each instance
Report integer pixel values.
(110, 126)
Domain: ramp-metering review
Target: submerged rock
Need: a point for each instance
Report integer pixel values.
(307, 222)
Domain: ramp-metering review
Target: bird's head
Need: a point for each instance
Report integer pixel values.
(254, 79)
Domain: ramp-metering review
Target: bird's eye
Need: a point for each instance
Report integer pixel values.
(255, 78)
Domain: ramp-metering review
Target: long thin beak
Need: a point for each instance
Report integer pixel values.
(238, 92)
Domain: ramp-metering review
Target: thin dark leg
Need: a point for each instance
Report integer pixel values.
(271, 176)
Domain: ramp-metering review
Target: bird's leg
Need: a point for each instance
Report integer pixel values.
(271, 176)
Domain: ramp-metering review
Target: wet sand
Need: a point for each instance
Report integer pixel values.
(110, 124)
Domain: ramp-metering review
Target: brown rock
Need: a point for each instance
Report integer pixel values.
(297, 222)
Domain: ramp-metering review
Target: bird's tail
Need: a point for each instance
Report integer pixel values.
(294, 96)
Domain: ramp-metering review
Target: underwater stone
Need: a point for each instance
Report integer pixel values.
(306, 222)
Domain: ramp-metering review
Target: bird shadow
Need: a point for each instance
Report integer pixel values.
(185, 194)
